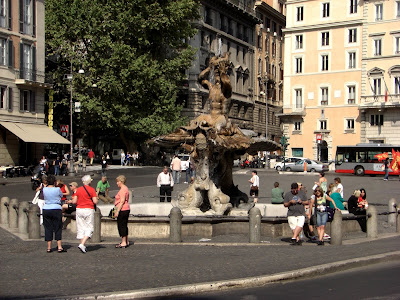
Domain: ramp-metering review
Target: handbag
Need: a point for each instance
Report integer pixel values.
(331, 213)
(112, 212)
(254, 188)
(36, 198)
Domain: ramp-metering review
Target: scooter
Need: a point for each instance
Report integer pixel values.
(36, 179)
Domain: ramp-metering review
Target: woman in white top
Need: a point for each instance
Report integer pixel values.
(339, 186)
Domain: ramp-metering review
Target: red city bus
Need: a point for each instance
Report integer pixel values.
(360, 160)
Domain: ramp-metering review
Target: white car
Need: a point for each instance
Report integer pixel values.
(185, 159)
(279, 165)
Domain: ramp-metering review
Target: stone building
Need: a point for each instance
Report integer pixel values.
(224, 26)
(268, 94)
(23, 134)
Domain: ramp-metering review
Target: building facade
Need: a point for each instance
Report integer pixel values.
(269, 68)
(23, 134)
(380, 85)
(322, 78)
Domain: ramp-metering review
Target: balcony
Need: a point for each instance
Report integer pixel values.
(375, 101)
(32, 78)
(245, 5)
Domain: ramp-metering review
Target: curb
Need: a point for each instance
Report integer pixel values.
(250, 282)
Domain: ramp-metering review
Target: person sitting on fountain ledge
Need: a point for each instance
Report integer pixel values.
(295, 202)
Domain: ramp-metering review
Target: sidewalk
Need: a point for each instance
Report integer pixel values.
(161, 268)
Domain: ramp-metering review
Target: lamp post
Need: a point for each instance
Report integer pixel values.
(71, 134)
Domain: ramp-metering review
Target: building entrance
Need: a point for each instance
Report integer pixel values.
(323, 151)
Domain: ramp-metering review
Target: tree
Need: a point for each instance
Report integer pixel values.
(134, 52)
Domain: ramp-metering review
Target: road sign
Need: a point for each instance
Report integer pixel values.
(318, 137)
(64, 130)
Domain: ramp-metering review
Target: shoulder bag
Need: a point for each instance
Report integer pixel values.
(95, 207)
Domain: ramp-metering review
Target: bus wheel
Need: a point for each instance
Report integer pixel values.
(359, 171)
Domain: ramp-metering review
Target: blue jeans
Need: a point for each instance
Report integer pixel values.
(188, 175)
(386, 173)
(176, 175)
(322, 218)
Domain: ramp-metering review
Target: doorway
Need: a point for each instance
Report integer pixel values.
(323, 151)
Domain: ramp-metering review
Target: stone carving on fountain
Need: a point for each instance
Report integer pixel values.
(213, 143)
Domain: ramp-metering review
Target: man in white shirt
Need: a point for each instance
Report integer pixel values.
(254, 185)
(165, 182)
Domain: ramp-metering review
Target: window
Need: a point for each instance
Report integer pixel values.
(325, 39)
(299, 41)
(3, 52)
(398, 9)
(353, 35)
(299, 14)
(299, 65)
(299, 98)
(27, 101)
(397, 44)
(3, 97)
(350, 124)
(378, 11)
(325, 10)
(378, 47)
(397, 85)
(377, 86)
(351, 89)
(297, 152)
(27, 17)
(5, 14)
(207, 15)
(376, 120)
(297, 126)
(324, 63)
(353, 6)
(324, 96)
(352, 60)
(27, 62)
(322, 124)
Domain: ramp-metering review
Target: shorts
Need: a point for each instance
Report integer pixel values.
(254, 193)
(296, 221)
(322, 218)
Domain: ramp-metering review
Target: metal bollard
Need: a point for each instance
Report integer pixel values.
(23, 217)
(4, 205)
(392, 207)
(175, 225)
(13, 214)
(372, 222)
(254, 225)
(96, 237)
(336, 228)
(398, 221)
(34, 222)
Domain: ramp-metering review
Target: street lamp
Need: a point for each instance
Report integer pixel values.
(71, 135)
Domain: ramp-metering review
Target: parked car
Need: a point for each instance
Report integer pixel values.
(279, 165)
(312, 166)
(185, 159)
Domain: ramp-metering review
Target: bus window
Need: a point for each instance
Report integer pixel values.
(361, 156)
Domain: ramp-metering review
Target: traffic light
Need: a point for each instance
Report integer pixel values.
(284, 141)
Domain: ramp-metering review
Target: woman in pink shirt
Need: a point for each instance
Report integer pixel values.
(122, 211)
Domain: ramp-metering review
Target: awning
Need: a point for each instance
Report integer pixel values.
(34, 133)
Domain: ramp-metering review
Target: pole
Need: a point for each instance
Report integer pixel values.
(71, 135)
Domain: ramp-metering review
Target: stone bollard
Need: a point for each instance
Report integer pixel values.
(175, 225)
(392, 207)
(336, 228)
(372, 222)
(13, 214)
(23, 217)
(254, 225)
(4, 205)
(96, 237)
(34, 222)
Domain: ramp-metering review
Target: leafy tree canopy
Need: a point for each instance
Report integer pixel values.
(134, 51)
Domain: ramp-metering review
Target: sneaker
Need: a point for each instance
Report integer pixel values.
(320, 243)
(299, 243)
(326, 236)
(293, 242)
(82, 248)
(385, 179)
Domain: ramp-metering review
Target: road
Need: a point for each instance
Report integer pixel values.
(378, 191)
(371, 282)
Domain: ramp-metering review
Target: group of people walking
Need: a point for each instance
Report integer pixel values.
(54, 204)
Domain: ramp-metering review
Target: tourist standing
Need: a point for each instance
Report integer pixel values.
(52, 215)
(166, 183)
(57, 166)
(176, 168)
(122, 211)
(85, 198)
(386, 165)
(91, 156)
(296, 213)
(254, 186)
(104, 166)
(122, 158)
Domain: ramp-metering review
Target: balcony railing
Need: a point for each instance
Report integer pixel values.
(33, 76)
(380, 98)
(245, 5)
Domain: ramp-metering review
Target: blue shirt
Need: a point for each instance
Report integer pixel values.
(52, 197)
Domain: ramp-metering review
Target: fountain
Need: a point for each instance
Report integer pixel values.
(213, 143)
